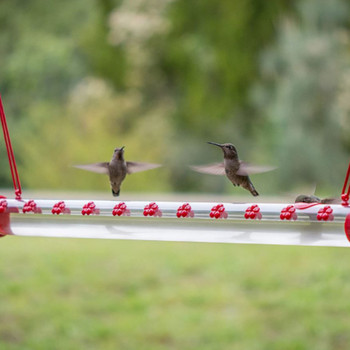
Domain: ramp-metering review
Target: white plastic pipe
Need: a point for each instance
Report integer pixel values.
(304, 229)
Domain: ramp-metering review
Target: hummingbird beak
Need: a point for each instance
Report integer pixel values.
(122, 148)
(215, 144)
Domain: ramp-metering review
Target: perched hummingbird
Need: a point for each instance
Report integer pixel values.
(117, 169)
(236, 170)
(314, 199)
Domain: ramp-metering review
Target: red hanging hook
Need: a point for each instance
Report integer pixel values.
(10, 154)
(345, 194)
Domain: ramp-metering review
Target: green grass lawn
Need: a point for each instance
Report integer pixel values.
(101, 294)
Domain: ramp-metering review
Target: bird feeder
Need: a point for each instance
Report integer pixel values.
(313, 224)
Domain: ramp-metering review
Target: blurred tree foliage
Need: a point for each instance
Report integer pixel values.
(162, 77)
(302, 95)
(39, 64)
(210, 59)
(199, 59)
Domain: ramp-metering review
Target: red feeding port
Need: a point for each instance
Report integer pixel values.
(59, 208)
(253, 212)
(325, 214)
(31, 206)
(184, 211)
(218, 212)
(90, 208)
(152, 209)
(121, 209)
(288, 213)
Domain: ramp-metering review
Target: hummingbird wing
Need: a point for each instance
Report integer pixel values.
(246, 169)
(135, 167)
(213, 169)
(101, 168)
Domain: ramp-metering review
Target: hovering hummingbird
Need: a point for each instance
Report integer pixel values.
(117, 169)
(236, 170)
(314, 199)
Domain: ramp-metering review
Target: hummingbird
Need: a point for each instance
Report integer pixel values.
(314, 199)
(117, 169)
(236, 170)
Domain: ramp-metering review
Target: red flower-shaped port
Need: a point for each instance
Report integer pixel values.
(152, 209)
(218, 212)
(59, 208)
(121, 209)
(253, 212)
(31, 206)
(90, 208)
(325, 214)
(288, 213)
(185, 211)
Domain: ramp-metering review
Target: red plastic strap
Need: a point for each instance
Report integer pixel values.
(5, 228)
(11, 156)
(345, 194)
(347, 227)
(303, 206)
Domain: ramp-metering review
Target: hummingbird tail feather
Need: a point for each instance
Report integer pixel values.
(252, 189)
(254, 192)
(330, 201)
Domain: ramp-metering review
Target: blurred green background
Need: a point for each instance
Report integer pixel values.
(79, 78)
(97, 294)
(162, 77)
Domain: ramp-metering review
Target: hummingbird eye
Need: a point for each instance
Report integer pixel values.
(231, 148)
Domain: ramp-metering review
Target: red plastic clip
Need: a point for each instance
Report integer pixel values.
(347, 227)
(5, 228)
(90, 208)
(218, 212)
(31, 206)
(59, 208)
(121, 209)
(325, 214)
(3, 205)
(253, 212)
(288, 213)
(152, 209)
(184, 211)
